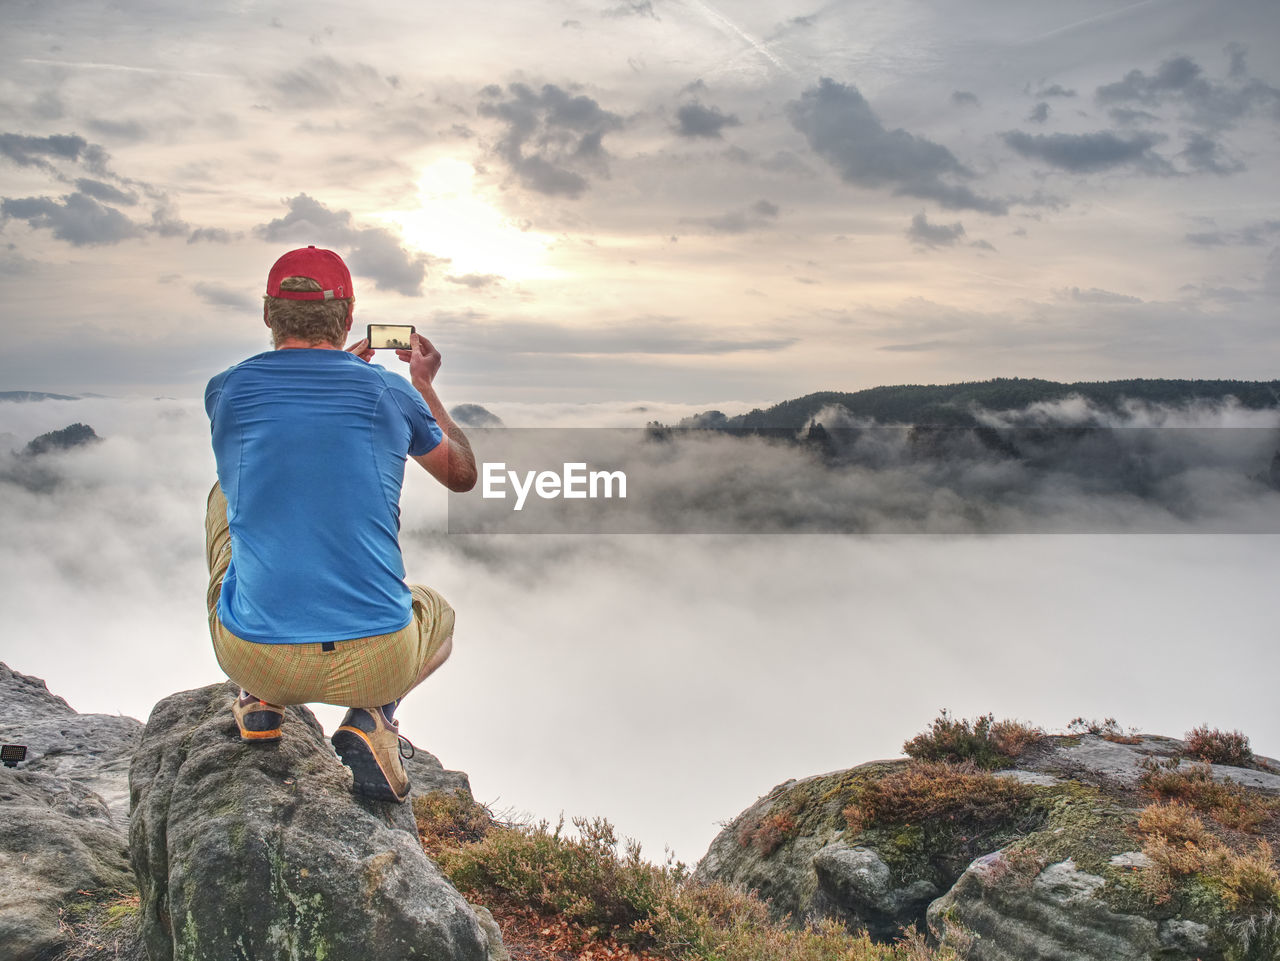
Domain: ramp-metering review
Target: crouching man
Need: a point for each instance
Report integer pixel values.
(307, 598)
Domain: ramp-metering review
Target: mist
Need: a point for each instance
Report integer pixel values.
(666, 680)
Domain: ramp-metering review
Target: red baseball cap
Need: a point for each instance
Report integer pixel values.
(323, 266)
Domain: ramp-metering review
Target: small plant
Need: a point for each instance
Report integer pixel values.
(445, 818)
(1179, 845)
(769, 832)
(590, 891)
(986, 742)
(1255, 937)
(1225, 801)
(928, 791)
(1108, 729)
(1219, 747)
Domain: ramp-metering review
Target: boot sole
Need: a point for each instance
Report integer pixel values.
(356, 752)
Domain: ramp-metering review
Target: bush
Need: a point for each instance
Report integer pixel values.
(769, 832)
(611, 893)
(1178, 845)
(445, 818)
(1219, 747)
(1108, 729)
(937, 791)
(1225, 801)
(986, 742)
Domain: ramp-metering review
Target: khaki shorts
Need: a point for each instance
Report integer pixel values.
(363, 672)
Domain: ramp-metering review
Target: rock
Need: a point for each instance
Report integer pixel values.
(302, 869)
(93, 750)
(63, 849)
(1041, 861)
(857, 885)
(427, 774)
(76, 435)
(1057, 915)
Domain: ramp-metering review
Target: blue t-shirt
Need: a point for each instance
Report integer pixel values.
(311, 446)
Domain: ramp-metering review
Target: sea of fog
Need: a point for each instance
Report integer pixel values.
(665, 681)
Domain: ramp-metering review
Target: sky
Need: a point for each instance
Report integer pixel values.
(608, 213)
(681, 201)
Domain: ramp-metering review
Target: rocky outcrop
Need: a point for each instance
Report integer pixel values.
(1059, 912)
(1048, 866)
(63, 848)
(247, 851)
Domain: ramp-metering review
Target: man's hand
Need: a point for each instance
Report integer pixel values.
(361, 349)
(423, 359)
(451, 462)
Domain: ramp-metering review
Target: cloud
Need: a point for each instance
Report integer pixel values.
(640, 335)
(1091, 152)
(1039, 113)
(759, 215)
(475, 281)
(128, 130)
(695, 120)
(35, 151)
(211, 235)
(1181, 81)
(326, 81)
(1251, 235)
(1095, 295)
(77, 218)
(963, 98)
(631, 8)
(221, 296)
(105, 192)
(372, 252)
(551, 136)
(1204, 154)
(841, 127)
(1054, 90)
(934, 235)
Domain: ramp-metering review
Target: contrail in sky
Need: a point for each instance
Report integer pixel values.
(721, 20)
(1080, 23)
(89, 64)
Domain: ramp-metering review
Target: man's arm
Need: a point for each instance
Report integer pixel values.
(451, 462)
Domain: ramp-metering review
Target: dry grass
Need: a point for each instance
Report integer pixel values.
(588, 898)
(1179, 845)
(1108, 729)
(937, 791)
(1225, 801)
(1219, 747)
(986, 742)
(769, 832)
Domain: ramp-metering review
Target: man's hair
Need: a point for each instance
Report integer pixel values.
(312, 321)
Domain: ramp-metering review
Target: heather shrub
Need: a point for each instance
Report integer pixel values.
(1179, 845)
(769, 832)
(607, 890)
(986, 742)
(1225, 801)
(937, 791)
(1219, 747)
(1108, 729)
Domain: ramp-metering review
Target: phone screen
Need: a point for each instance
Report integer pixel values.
(390, 336)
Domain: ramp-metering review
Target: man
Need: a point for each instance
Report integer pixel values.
(307, 599)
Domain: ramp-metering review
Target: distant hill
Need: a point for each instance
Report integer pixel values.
(950, 404)
(30, 395)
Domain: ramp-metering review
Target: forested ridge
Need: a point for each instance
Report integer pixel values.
(951, 404)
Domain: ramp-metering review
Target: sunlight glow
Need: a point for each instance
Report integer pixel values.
(453, 220)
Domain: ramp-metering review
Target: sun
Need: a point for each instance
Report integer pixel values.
(453, 220)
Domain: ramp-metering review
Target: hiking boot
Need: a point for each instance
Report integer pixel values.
(372, 748)
(258, 721)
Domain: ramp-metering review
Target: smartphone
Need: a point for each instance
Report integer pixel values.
(390, 336)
